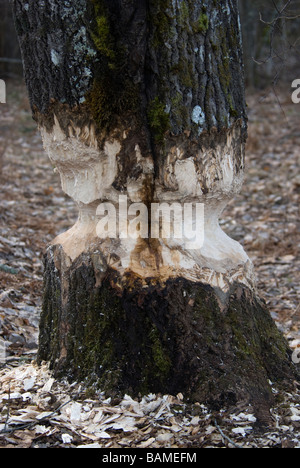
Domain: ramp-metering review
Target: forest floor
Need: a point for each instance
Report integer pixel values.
(38, 411)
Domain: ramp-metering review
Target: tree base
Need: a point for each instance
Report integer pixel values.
(178, 337)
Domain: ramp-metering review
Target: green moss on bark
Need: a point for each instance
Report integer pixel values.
(161, 359)
(159, 120)
(202, 25)
(112, 99)
(114, 95)
(160, 19)
(102, 39)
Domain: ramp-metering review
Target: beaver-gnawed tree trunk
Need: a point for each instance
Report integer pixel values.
(144, 100)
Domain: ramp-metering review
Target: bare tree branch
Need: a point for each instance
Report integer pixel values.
(271, 23)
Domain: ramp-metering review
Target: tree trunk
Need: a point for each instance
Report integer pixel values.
(142, 102)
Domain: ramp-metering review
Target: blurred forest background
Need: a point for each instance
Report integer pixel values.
(271, 36)
(10, 57)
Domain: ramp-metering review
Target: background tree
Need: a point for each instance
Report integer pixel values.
(271, 41)
(10, 59)
(146, 99)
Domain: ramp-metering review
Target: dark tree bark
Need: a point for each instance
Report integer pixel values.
(146, 99)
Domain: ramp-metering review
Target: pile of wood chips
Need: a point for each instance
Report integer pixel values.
(38, 411)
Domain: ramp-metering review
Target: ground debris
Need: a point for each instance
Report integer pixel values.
(37, 410)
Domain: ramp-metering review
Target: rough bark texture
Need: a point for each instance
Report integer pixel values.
(176, 54)
(146, 98)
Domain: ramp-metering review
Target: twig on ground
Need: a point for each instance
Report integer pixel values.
(7, 416)
(226, 437)
(33, 423)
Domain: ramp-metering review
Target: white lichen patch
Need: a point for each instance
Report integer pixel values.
(55, 57)
(198, 116)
